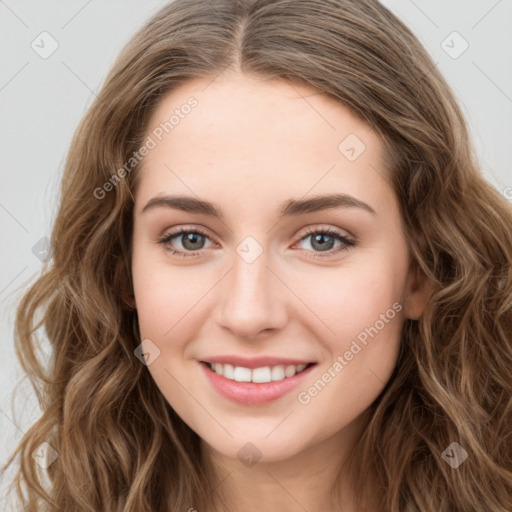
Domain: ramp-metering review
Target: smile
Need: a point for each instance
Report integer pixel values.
(258, 385)
(259, 375)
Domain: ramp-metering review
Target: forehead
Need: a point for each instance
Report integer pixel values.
(258, 135)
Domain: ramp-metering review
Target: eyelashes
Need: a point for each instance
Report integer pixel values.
(346, 243)
(318, 235)
(166, 241)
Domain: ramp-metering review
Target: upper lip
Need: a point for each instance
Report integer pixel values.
(255, 362)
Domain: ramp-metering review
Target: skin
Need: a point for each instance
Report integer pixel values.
(248, 146)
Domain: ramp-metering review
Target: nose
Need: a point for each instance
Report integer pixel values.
(252, 299)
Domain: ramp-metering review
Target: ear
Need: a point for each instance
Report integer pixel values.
(418, 291)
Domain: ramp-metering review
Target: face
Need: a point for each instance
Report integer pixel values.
(267, 277)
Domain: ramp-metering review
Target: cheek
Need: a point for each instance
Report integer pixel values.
(370, 326)
(168, 306)
(367, 321)
(352, 297)
(165, 294)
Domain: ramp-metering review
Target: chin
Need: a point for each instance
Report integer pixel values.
(251, 449)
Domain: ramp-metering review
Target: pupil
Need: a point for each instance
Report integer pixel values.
(322, 245)
(192, 237)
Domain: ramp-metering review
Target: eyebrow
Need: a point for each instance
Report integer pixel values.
(292, 207)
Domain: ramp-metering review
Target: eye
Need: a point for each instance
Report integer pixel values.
(192, 241)
(323, 241)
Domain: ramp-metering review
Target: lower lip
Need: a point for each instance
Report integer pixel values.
(252, 393)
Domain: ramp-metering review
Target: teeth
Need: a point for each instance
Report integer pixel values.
(242, 374)
(261, 374)
(227, 370)
(278, 372)
(258, 375)
(289, 371)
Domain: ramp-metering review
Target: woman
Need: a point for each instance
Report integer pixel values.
(339, 332)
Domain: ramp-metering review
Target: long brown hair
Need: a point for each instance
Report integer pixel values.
(120, 445)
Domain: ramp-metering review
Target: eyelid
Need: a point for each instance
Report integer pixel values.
(196, 228)
(308, 230)
(347, 242)
(183, 228)
(305, 231)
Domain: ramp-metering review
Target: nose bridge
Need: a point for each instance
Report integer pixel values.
(250, 299)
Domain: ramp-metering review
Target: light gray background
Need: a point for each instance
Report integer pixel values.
(42, 101)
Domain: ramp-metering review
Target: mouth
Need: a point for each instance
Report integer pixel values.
(260, 375)
(253, 386)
